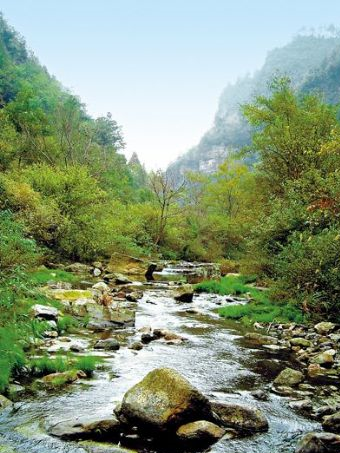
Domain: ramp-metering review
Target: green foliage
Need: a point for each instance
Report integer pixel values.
(234, 285)
(45, 365)
(263, 311)
(43, 275)
(260, 308)
(67, 324)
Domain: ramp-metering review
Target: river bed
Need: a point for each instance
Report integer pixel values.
(215, 358)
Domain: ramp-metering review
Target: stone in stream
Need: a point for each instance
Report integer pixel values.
(136, 346)
(331, 423)
(242, 418)
(184, 293)
(200, 432)
(110, 344)
(163, 401)
(95, 428)
(289, 377)
(319, 443)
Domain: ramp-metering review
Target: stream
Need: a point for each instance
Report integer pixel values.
(216, 359)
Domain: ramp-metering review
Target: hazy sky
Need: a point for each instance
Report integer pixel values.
(159, 65)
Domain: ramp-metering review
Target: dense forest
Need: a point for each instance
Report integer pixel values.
(272, 210)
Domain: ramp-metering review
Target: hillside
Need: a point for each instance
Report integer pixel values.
(311, 62)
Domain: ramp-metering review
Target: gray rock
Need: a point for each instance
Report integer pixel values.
(163, 400)
(44, 312)
(136, 346)
(110, 344)
(242, 418)
(95, 428)
(319, 443)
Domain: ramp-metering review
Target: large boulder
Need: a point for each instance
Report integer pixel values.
(162, 401)
(200, 432)
(289, 377)
(332, 423)
(184, 293)
(319, 443)
(242, 418)
(96, 428)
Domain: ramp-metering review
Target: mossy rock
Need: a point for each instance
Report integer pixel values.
(163, 400)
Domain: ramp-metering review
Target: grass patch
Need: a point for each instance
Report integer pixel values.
(259, 309)
(43, 275)
(43, 366)
(67, 324)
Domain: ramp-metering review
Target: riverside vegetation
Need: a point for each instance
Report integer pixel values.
(68, 194)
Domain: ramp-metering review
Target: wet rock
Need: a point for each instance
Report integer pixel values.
(167, 335)
(324, 327)
(242, 418)
(301, 405)
(95, 428)
(4, 403)
(110, 344)
(146, 338)
(331, 423)
(67, 377)
(152, 267)
(45, 312)
(200, 432)
(136, 346)
(289, 377)
(260, 339)
(259, 395)
(325, 410)
(319, 443)
(184, 293)
(162, 401)
(134, 296)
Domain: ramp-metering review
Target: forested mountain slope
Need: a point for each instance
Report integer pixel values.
(311, 62)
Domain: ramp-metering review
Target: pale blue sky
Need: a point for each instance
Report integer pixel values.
(159, 65)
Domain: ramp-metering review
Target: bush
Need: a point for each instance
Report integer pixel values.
(308, 268)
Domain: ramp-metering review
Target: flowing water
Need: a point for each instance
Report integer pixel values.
(215, 359)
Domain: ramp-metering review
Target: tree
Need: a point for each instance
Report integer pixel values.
(166, 193)
(290, 131)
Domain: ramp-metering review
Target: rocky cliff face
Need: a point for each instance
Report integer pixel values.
(311, 62)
